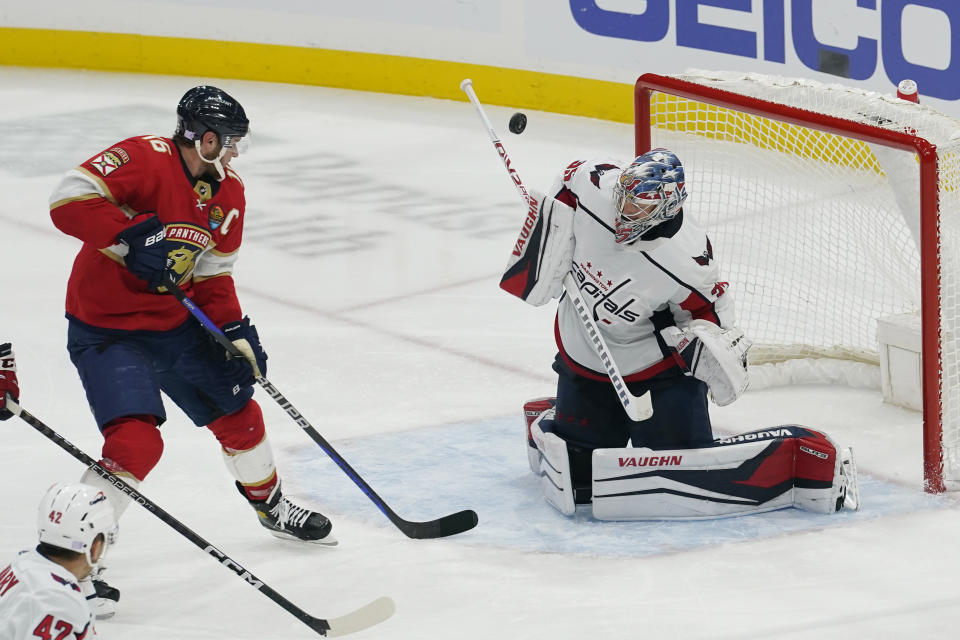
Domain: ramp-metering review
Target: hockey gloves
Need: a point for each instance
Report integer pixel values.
(244, 337)
(716, 356)
(148, 252)
(8, 380)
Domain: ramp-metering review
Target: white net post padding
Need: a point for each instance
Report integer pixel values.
(817, 218)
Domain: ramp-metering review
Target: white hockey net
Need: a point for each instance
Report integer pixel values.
(817, 217)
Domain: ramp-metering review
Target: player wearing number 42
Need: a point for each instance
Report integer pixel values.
(152, 212)
(651, 279)
(40, 592)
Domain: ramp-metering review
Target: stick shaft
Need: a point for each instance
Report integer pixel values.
(317, 624)
(441, 527)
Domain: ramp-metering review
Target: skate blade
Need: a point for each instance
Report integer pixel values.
(328, 541)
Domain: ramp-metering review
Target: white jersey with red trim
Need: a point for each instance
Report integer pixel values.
(41, 599)
(669, 276)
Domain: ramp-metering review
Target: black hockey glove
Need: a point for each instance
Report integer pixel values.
(148, 252)
(8, 380)
(244, 337)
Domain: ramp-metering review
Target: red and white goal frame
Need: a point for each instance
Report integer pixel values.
(835, 207)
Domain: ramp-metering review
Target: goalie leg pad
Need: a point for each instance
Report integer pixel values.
(553, 466)
(532, 409)
(691, 484)
(762, 470)
(826, 476)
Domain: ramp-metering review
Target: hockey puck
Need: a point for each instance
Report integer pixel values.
(518, 122)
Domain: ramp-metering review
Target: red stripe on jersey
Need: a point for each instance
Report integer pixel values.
(700, 308)
(644, 374)
(568, 197)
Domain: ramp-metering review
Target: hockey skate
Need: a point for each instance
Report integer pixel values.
(850, 497)
(101, 597)
(286, 520)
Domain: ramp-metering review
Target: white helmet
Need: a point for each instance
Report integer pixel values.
(71, 516)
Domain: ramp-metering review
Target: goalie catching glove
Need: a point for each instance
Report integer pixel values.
(712, 354)
(542, 254)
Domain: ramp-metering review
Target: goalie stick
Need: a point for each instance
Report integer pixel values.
(439, 528)
(638, 408)
(366, 616)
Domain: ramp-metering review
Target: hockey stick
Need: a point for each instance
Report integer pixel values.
(638, 408)
(366, 616)
(441, 527)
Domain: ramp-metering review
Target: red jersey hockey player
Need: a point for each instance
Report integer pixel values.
(649, 275)
(150, 211)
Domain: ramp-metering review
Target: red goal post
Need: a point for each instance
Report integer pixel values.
(771, 159)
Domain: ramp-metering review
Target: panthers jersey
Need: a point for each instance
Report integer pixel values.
(668, 276)
(204, 225)
(41, 599)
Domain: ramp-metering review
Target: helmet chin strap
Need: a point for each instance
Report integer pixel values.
(215, 162)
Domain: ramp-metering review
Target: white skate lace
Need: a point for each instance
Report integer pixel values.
(289, 515)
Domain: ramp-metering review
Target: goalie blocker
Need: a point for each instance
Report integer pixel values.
(754, 472)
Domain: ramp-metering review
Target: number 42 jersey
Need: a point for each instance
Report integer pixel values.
(203, 219)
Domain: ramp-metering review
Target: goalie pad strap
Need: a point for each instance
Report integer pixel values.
(751, 473)
(542, 253)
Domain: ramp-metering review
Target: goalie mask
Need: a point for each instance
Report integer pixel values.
(71, 516)
(206, 108)
(649, 191)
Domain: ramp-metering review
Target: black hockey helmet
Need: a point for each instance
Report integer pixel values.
(207, 108)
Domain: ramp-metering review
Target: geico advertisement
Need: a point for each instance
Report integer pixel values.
(872, 44)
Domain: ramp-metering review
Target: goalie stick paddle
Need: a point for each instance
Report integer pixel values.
(366, 616)
(637, 408)
(440, 528)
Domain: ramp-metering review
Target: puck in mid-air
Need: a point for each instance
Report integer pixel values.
(518, 122)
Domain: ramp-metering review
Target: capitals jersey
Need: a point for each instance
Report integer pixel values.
(41, 599)
(669, 276)
(203, 220)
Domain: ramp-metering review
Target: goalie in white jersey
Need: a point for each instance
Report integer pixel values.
(40, 591)
(649, 275)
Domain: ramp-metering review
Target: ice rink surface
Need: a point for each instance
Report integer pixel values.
(377, 230)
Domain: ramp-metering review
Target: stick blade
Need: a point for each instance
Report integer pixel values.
(364, 617)
(441, 527)
(640, 408)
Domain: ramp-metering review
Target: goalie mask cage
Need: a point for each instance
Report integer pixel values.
(829, 208)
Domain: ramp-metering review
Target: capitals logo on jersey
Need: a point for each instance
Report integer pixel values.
(705, 258)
